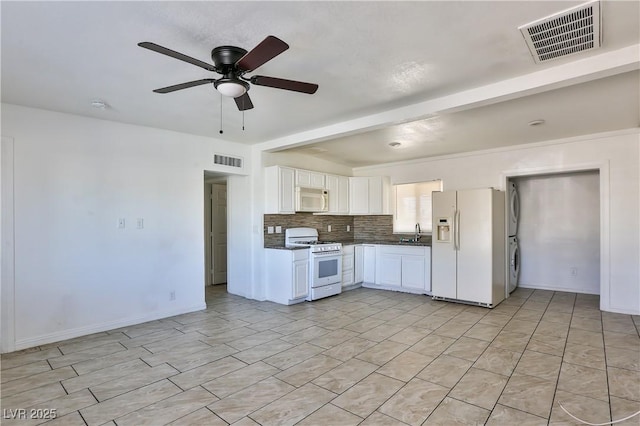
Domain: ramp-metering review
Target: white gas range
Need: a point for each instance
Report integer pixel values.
(325, 261)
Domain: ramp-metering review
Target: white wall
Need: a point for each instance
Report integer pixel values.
(559, 230)
(302, 161)
(617, 153)
(75, 271)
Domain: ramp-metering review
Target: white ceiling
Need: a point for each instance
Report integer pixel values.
(368, 58)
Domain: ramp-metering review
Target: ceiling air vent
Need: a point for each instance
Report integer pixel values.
(565, 33)
(225, 160)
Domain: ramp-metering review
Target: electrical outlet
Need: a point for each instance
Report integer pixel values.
(574, 271)
(140, 223)
(328, 228)
(269, 229)
(121, 223)
(278, 229)
(172, 295)
(348, 228)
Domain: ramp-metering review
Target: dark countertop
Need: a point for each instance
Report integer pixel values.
(389, 243)
(426, 243)
(286, 248)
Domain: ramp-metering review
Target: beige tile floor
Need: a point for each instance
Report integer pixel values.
(365, 357)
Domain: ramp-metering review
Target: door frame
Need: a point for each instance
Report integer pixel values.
(7, 247)
(605, 250)
(209, 180)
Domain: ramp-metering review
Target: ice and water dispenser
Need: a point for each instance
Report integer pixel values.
(443, 230)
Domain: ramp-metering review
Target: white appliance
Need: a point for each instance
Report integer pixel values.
(514, 208)
(325, 261)
(513, 203)
(468, 246)
(514, 263)
(312, 200)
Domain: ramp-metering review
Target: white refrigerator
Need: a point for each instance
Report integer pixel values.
(468, 246)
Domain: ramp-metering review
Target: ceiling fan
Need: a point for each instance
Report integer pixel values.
(233, 63)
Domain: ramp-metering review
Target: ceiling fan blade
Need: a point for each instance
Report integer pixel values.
(181, 86)
(281, 83)
(268, 49)
(244, 102)
(177, 55)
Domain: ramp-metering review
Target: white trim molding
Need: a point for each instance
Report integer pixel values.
(7, 249)
(605, 248)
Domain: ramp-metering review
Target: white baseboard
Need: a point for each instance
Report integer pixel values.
(97, 328)
(552, 288)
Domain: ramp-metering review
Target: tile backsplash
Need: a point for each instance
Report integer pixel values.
(378, 228)
(308, 220)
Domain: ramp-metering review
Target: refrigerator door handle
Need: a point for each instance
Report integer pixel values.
(456, 230)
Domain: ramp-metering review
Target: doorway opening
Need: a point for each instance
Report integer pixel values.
(215, 229)
(559, 237)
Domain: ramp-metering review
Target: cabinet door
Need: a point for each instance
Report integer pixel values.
(359, 195)
(303, 178)
(286, 191)
(369, 264)
(300, 279)
(317, 180)
(331, 185)
(389, 269)
(414, 272)
(347, 278)
(375, 195)
(343, 195)
(358, 265)
(308, 179)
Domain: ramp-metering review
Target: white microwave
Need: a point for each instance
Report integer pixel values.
(312, 200)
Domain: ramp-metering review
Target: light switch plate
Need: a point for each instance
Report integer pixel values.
(278, 229)
(348, 228)
(328, 228)
(269, 229)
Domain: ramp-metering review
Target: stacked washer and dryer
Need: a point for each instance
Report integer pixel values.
(514, 252)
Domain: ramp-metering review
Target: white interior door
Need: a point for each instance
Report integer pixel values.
(219, 233)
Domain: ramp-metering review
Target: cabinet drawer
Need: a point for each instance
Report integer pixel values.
(300, 255)
(347, 278)
(347, 262)
(403, 250)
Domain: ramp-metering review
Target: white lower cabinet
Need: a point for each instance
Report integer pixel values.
(287, 275)
(414, 272)
(358, 264)
(369, 264)
(348, 272)
(388, 268)
(403, 268)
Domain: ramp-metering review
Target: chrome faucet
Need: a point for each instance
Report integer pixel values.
(417, 236)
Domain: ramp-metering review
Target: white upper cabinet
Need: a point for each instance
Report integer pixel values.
(369, 195)
(279, 190)
(308, 179)
(338, 187)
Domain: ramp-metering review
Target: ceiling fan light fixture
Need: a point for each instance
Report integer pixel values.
(98, 104)
(232, 88)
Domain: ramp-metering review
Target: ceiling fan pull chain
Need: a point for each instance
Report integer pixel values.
(221, 132)
(243, 116)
